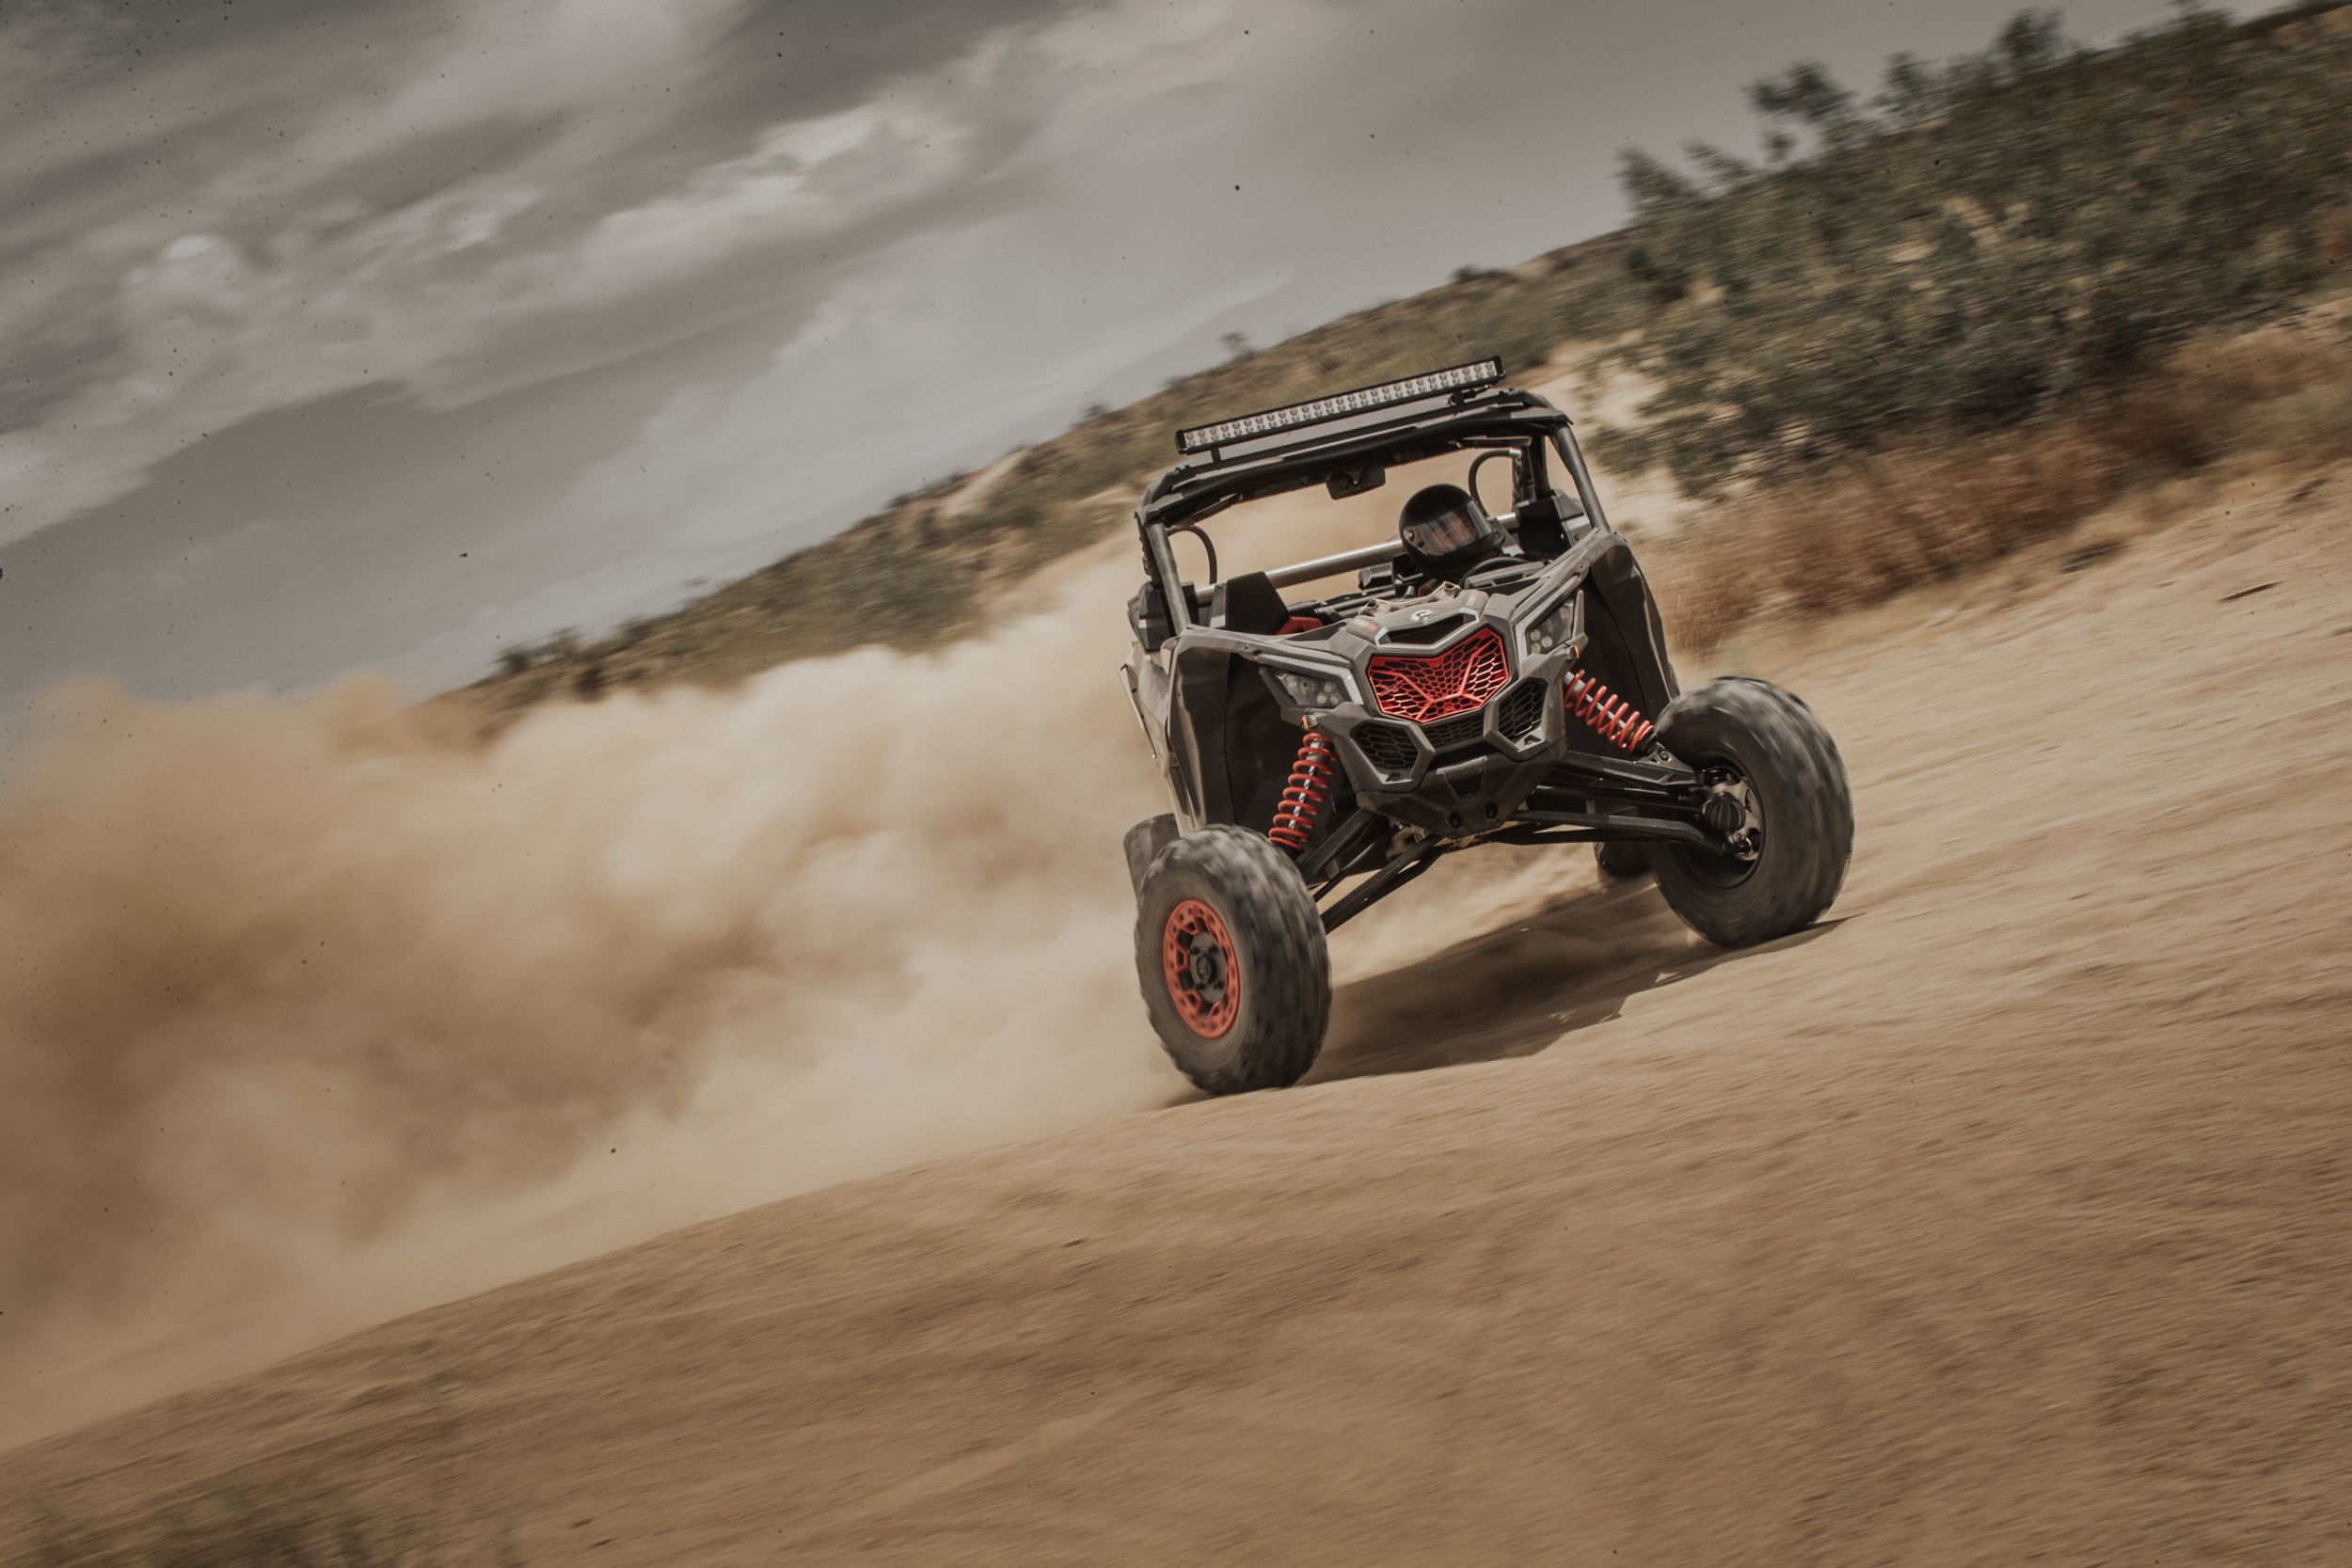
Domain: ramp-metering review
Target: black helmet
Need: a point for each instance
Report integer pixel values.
(1446, 531)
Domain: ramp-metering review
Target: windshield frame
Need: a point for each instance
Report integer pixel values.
(1191, 493)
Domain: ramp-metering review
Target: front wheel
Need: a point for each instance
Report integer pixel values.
(1230, 953)
(1776, 793)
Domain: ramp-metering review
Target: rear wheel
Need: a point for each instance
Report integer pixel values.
(1230, 957)
(1776, 792)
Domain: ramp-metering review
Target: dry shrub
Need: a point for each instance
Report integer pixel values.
(1884, 525)
(2311, 426)
(2335, 237)
(1876, 527)
(2272, 362)
(2272, 390)
(235, 1527)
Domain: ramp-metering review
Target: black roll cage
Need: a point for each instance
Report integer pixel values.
(1190, 492)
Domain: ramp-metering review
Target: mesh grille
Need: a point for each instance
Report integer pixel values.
(1437, 686)
(1456, 732)
(1391, 750)
(1522, 711)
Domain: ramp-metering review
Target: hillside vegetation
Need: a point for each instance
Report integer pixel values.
(1985, 243)
(2014, 267)
(915, 574)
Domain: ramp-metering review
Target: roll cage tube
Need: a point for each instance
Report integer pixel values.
(1189, 494)
(1161, 559)
(1586, 491)
(1191, 491)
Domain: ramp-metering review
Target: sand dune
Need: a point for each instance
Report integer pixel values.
(1999, 1218)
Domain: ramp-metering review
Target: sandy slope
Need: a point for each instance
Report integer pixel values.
(2002, 1218)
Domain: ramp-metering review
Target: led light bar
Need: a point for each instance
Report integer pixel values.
(1363, 400)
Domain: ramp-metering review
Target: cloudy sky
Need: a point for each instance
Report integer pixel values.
(384, 331)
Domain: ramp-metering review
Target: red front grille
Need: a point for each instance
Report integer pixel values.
(1432, 685)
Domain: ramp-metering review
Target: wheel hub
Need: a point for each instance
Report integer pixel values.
(1732, 813)
(1203, 970)
(1723, 813)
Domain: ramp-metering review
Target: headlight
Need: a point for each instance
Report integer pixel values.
(1310, 690)
(1555, 630)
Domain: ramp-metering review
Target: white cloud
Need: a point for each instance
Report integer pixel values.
(333, 296)
(516, 59)
(918, 366)
(283, 286)
(804, 178)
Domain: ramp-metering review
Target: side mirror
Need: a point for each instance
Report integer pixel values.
(1542, 523)
(1147, 617)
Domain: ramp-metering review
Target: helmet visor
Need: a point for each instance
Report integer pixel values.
(1450, 531)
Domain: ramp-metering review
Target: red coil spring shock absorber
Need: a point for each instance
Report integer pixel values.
(1613, 718)
(1302, 802)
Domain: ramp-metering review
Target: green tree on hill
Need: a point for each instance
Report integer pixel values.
(1984, 239)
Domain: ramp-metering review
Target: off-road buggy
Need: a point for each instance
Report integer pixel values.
(1489, 677)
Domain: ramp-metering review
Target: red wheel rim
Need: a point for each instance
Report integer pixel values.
(1203, 971)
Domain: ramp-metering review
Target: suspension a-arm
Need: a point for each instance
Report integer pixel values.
(1401, 868)
(1580, 826)
(1623, 779)
(1340, 853)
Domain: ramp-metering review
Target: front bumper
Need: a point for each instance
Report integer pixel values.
(1465, 773)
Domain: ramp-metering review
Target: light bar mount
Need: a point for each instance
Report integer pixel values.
(1459, 380)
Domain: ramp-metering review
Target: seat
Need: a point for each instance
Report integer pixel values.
(1541, 524)
(1250, 603)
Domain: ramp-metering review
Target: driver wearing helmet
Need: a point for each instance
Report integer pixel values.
(1446, 532)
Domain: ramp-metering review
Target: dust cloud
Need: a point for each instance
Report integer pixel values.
(279, 979)
(320, 1010)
